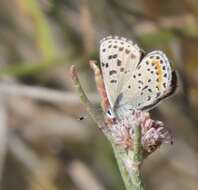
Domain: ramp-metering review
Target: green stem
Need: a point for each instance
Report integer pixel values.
(131, 176)
(123, 171)
(132, 179)
(95, 114)
(137, 159)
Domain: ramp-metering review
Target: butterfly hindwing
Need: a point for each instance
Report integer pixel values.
(151, 81)
(118, 57)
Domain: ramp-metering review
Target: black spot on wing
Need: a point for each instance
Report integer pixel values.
(113, 81)
(145, 87)
(119, 62)
(121, 49)
(110, 57)
(114, 56)
(158, 94)
(127, 51)
(148, 98)
(139, 81)
(170, 91)
(122, 69)
(112, 72)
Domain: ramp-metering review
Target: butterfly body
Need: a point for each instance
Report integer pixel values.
(132, 82)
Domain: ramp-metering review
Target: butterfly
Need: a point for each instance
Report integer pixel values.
(133, 80)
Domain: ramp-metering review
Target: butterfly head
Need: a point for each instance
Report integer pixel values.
(110, 114)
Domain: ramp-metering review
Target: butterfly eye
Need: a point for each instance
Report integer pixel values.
(110, 114)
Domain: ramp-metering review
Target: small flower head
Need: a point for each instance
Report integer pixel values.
(154, 133)
(121, 134)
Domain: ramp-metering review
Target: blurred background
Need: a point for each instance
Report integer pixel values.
(44, 144)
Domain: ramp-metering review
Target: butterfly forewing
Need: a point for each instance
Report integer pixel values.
(118, 57)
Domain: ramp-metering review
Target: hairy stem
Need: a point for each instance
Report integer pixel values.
(137, 159)
(132, 178)
(123, 171)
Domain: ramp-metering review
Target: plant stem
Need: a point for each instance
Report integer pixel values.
(137, 159)
(123, 171)
(96, 115)
(131, 177)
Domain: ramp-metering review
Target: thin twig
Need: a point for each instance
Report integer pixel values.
(96, 114)
(3, 136)
(41, 93)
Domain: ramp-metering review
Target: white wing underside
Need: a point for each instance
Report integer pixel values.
(151, 81)
(129, 82)
(118, 58)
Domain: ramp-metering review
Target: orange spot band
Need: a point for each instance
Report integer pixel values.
(159, 71)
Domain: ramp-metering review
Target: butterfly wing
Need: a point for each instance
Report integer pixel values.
(151, 81)
(118, 57)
